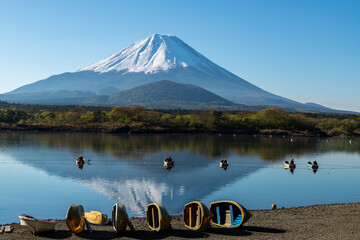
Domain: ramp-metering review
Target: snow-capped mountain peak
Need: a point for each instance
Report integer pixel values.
(153, 54)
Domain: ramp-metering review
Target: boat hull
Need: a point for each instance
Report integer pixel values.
(36, 225)
(75, 218)
(229, 214)
(97, 218)
(169, 164)
(196, 215)
(313, 166)
(157, 217)
(223, 165)
(289, 165)
(120, 218)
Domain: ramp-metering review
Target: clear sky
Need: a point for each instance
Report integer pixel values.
(305, 50)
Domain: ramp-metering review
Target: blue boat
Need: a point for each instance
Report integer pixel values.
(229, 214)
(313, 165)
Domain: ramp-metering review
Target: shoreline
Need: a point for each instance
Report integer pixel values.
(331, 221)
(98, 129)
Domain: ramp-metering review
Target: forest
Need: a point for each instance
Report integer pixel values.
(272, 121)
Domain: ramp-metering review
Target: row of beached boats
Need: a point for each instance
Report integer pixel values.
(197, 216)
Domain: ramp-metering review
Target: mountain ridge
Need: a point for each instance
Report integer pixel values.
(153, 59)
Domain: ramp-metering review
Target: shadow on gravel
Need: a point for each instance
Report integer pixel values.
(58, 234)
(228, 232)
(263, 229)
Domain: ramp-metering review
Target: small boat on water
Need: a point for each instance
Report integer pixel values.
(223, 163)
(157, 217)
(289, 164)
(97, 218)
(75, 218)
(229, 214)
(196, 215)
(313, 165)
(37, 225)
(120, 218)
(169, 162)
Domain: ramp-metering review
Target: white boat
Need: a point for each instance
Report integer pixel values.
(37, 225)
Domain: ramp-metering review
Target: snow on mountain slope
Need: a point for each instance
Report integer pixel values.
(153, 54)
(155, 58)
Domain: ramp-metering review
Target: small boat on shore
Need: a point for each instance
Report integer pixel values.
(196, 215)
(120, 218)
(97, 218)
(289, 164)
(37, 225)
(75, 218)
(229, 214)
(313, 165)
(157, 217)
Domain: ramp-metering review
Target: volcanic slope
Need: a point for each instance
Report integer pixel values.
(153, 59)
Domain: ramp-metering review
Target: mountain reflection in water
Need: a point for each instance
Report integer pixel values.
(129, 169)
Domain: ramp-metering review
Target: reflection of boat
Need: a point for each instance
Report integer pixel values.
(75, 218)
(37, 225)
(157, 217)
(289, 164)
(313, 165)
(224, 163)
(95, 217)
(169, 162)
(120, 218)
(80, 165)
(229, 214)
(196, 215)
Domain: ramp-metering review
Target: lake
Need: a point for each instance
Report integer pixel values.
(39, 177)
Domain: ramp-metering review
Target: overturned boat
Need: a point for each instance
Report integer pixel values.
(120, 218)
(37, 225)
(75, 218)
(157, 217)
(196, 215)
(229, 214)
(97, 218)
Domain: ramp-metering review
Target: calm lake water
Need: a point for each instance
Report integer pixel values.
(39, 177)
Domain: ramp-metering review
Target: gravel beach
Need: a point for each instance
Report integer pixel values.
(335, 221)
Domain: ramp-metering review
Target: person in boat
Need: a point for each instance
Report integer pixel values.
(80, 159)
(315, 163)
(168, 160)
(292, 162)
(224, 161)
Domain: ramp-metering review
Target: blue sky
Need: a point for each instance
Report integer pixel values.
(307, 50)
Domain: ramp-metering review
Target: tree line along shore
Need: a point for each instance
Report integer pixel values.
(272, 121)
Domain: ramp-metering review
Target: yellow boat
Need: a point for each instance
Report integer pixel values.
(157, 217)
(229, 214)
(97, 218)
(289, 165)
(120, 218)
(75, 218)
(196, 215)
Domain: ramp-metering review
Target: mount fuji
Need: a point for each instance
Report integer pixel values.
(156, 58)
